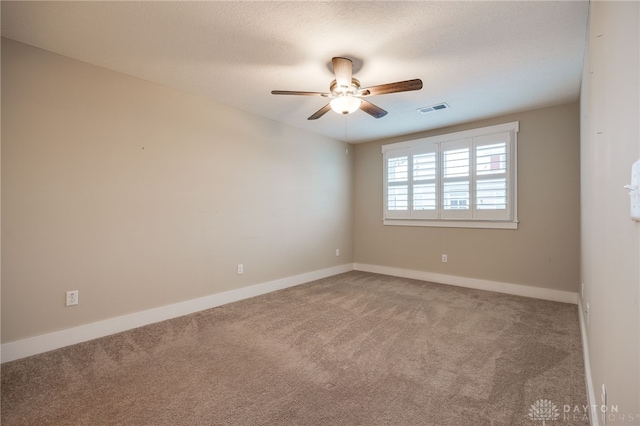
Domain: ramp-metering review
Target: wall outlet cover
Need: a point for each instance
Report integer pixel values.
(72, 298)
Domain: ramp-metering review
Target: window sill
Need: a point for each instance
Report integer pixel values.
(483, 224)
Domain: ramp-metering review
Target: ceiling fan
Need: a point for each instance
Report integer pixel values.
(346, 94)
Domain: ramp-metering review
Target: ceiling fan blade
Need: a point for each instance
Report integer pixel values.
(343, 69)
(400, 86)
(322, 111)
(289, 92)
(371, 109)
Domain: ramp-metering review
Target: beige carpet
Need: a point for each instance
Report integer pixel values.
(354, 349)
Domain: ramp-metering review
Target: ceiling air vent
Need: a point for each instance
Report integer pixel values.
(433, 108)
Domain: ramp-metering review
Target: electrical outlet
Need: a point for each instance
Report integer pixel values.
(444, 258)
(240, 269)
(72, 298)
(586, 313)
(337, 252)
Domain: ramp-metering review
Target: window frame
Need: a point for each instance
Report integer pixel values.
(473, 217)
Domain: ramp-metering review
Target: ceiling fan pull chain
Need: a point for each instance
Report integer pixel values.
(346, 129)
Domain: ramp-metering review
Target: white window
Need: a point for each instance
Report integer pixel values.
(464, 179)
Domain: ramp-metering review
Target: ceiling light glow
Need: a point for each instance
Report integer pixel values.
(345, 104)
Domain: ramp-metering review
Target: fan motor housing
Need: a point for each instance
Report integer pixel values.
(338, 90)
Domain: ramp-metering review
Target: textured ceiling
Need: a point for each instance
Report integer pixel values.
(482, 58)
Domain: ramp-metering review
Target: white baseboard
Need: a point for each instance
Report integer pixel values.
(591, 394)
(50, 341)
(34, 345)
(515, 289)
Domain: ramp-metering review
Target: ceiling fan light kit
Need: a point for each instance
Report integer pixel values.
(345, 104)
(346, 95)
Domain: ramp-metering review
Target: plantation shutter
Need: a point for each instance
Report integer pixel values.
(462, 179)
(396, 180)
(456, 179)
(492, 190)
(425, 182)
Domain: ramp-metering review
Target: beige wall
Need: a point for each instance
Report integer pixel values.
(543, 252)
(610, 143)
(141, 196)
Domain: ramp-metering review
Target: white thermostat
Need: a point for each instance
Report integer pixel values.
(634, 191)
